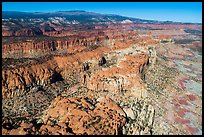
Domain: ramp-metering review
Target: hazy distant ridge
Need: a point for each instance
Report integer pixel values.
(81, 16)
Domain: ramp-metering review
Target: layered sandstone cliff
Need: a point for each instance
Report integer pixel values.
(16, 81)
(36, 46)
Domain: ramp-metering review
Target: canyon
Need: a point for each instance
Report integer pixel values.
(118, 79)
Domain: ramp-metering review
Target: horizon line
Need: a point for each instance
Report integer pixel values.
(104, 14)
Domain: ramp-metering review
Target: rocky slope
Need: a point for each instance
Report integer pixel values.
(85, 116)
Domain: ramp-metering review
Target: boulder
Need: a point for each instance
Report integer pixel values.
(130, 113)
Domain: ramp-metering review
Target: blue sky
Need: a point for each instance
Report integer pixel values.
(172, 11)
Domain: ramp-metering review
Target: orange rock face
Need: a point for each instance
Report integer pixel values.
(38, 46)
(19, 78)
(125, 76)
(35, 47)
(77, 116)
(84, 117)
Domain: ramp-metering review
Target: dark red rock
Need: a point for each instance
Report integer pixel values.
(191, 129)
(183, 102)
(192, 97)
(182, 120)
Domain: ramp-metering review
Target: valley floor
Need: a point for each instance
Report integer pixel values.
(175, 87)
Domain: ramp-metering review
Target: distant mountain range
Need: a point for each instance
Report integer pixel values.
(76, 17)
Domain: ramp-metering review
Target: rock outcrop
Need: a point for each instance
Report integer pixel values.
(78, 116)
